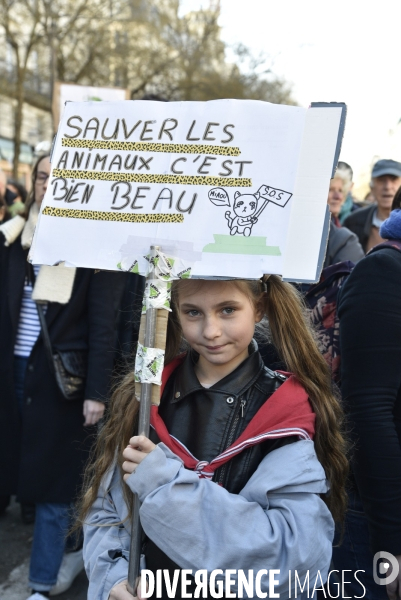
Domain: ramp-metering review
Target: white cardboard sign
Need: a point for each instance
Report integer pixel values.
(231, 188)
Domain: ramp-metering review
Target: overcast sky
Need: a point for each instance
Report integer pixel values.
(346, 51)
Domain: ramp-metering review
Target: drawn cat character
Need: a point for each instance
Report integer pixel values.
(244, 207)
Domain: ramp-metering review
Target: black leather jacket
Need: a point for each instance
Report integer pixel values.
(207, 421)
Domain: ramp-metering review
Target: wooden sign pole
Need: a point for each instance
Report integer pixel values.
(152, 333)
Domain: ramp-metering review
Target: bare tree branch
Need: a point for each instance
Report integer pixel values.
(146, 47)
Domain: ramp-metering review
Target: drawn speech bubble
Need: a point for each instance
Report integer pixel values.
(219, 197)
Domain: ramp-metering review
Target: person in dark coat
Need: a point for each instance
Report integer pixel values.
(45, 439)
(370, 339)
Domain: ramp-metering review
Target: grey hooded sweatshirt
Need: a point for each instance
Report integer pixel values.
(277, 521)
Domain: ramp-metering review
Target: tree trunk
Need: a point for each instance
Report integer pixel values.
(53, 75)
(18, 120)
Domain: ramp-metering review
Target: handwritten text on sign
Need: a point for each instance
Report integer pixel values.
(126, 169)
(211, 178)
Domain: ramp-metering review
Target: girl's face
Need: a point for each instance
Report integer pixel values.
(218, 321)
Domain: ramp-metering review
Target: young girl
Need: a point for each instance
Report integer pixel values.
(266, 503)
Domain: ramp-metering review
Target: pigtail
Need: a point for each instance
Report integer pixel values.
(292, 336)
(121, 423)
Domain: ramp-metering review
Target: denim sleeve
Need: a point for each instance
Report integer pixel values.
(278, 521)
(106, 542)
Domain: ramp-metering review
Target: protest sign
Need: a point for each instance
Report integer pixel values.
(230, 188)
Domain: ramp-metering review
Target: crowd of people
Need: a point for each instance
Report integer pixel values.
(45, 437)
(251, 464)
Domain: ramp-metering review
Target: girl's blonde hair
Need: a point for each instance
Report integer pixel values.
(293, 338)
